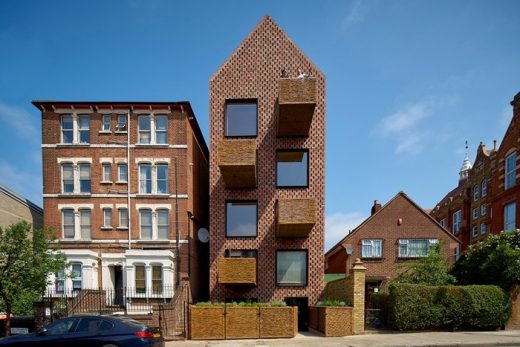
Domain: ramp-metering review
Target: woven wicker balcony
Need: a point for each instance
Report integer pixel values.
(297, 101)
(237, 271)
(237, 163)
(295, 217)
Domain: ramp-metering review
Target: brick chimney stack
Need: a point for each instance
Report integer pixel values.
(376, 207)
(516, 104)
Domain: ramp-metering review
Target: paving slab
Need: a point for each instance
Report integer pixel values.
(387, 339)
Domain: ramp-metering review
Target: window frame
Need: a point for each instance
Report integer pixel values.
(69, 181)
(483, 209)
(120, 125)
(510, 176)
(139, 130)
(372, 241)
(251, 202)
(476, 192)
(75, 281)
(167, 225)
(240, 102)
(63, 130)
(512, 203)
(306, 251)
(80, 166)
(82, 130)
(141, 210)
(119, 210)
(107, 212)
(483, 228)
(474, 231)
(475, 213)
(139, 166)
(104, 119)
(162, 180)
(483, 187)
(455, 227)
(406, 256)
(81, 225)
(104, 172)
(157, 131)
(63, 225)
(119, 176)
(138, 288)
(160, 281)
(303, 150)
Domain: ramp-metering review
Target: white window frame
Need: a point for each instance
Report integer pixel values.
(119, 212)
(372, 246)
(510, 171)
(457, 221)
(77, 210)
(475, 192)
(484, 187)
(474, 231)
(475, 213)
(158, 131)
(104, 123)
(106, 174)
(407, 251)
(511, 225)
(121, 126)
(154, 209)
(77, 281)
(157, 282)
(107, 217)
(483, 228)
(76, 129)
(154, 130)
(76, 164)
(154, 184)
(83, 129)
(483, 209)
(119, 176)
(68, 130)
(142, 290)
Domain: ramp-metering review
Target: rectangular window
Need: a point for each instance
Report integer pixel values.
(241, 219)
(85, 218)
(123, 218)
(67, 129)
(510, 174)
(144, 129)
(483, 228)
(146, 224)
(415, 248)
(122, 171)
(59, 282)
(292, 168)
(457, 221)
(444, 222)
(474, 230)
(483, 209)
(107, 217)
(291, 268)
(77, 276)
(510, 216)
(161, 129)
(140, 279)
(84, 129)
(484, 187)
(371, 248)
(241, 118)
(475, 213)
(475, 192)
(145, 179)
(68, 224)
(241, 253)
(84, 178)
(68, 178)
(157, 281)
(106, 122)
(121, 122)
(107, 173)
(163, 224)
(162, 178)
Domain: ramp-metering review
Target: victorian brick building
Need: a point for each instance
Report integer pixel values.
(124, 187)
(267, 172)
(392, 235)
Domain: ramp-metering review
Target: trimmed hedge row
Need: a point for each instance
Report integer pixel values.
(413, 307)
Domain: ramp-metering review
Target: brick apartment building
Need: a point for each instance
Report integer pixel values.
(392, 235)
(267, 172)
(123, 182)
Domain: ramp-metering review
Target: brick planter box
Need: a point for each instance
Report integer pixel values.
(242, 322)
(276, 322)
(331, 321)
(207, 323)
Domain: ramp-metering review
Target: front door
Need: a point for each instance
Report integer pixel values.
(118, 285)
(303, 311)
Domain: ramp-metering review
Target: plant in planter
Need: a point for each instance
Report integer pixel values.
(331, 317)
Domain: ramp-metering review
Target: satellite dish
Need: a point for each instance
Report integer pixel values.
(203, 235)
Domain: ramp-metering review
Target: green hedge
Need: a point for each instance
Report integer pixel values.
(414, 307)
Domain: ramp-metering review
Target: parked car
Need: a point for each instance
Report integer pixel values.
(90, 331)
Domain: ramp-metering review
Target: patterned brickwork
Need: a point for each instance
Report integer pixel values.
(252, 72)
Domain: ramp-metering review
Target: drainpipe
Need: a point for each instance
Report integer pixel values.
(128, 179)
(176, 228)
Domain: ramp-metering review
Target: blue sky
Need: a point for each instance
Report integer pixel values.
(407, 81)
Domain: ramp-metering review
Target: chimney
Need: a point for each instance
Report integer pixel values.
(516, 104)
(376, 207)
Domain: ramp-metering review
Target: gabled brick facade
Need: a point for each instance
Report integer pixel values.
(399, 219)
(254, 72)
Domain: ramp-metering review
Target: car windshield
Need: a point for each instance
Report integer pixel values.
(60, 327)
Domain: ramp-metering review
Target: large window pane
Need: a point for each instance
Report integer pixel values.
(146, 224)
(123, 218)
(68, 178)
(157, 279)
(107, 172)
(161, 129)
(162, 179)
(123, 172)
(144, 129)
(415, 248)
(241, 218)
(67, 129)
(107, 217)
(510, 170)
(84, 178)
(140, 279)
(145, 179)
(510, 216)
(106, 122)
(121, 122)
(68, 224)
(76, 275)
(163, 224)
(291, 168)
(371, 248)
(85, 223)
(84, 129)
(241, 119)
(291, 268)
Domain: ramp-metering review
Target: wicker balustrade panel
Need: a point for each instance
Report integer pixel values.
(297, 100)
(237, 271)
(295, 217)
(237, 163)
(242, 323)
(207, 323)
(335, 321)
(278, 322)
(297, 90)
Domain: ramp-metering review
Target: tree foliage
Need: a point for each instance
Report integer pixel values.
(495, 260)
(431, 270)
(25, 261)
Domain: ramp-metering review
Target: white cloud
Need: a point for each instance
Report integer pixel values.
(355, 15)
(27, 184)
(338, 224)
(406, 119)
(20, 120)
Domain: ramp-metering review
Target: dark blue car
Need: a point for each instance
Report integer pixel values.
(90, 331)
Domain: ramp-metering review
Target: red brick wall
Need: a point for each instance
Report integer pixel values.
(384, 225)
(252, 71)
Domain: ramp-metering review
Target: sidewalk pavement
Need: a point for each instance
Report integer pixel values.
(463, 338)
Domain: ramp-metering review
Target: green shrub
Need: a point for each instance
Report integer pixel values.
(414, 307)
(332, 303)
(241, 304)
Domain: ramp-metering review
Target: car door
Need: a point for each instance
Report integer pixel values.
(55, 333)
(86, 333)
